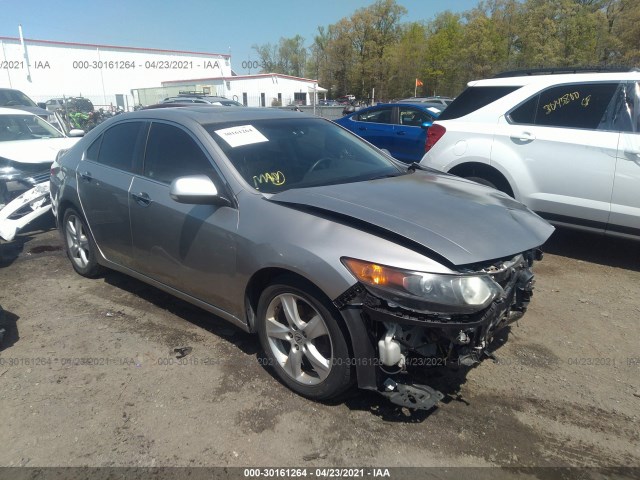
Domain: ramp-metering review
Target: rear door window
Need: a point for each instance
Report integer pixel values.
(575, 105)
(595, 106)
(379, 115)
(413, 117)
(93, 150)
(474, 98)
(122, 145)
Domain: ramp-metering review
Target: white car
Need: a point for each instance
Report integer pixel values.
(28, 147)
(567, 145)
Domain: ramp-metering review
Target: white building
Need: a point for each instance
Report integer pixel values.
(111, 75)
(262, 90)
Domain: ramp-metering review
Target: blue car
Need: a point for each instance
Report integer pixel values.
(400, 128)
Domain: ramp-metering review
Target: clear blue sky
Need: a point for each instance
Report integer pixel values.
(210, 26)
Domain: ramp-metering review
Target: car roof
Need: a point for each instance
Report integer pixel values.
(14, 111)
(554, 79)
(420, 105)
(222, 114)
(200, 97)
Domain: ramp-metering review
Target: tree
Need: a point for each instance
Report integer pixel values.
(288, 57)
(373, 49)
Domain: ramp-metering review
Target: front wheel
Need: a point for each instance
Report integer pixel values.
(79, 244)
(303, 341)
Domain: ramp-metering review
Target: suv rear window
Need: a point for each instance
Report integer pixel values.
(472, 99)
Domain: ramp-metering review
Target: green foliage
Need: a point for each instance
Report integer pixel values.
(288, 57)
(372, 49)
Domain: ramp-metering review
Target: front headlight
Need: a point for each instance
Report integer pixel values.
(429, 292)
(8, 171)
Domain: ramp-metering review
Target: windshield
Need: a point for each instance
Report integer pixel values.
(12, 98)
(25, 127)
(276, 155)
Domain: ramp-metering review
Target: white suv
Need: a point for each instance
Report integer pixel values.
(565, 145)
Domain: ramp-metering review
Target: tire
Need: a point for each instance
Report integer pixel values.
(303, 341)
(483, 181)
(79, 244)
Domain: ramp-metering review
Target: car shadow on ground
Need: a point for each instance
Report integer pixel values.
(10, 251)
(210, 322)
(8, 329)
(595, 248)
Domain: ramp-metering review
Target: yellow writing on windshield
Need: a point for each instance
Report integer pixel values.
(275, 178)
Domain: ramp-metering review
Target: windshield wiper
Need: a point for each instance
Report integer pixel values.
(413, 166)
(386, 175)
(417, 166)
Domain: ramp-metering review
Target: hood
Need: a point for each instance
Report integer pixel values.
(41, 112)
(37, 150)
(459, 220)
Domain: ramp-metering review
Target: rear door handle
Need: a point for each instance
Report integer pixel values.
(86, 176)
(400, 133)
(142, 199)
(632, 151)
(362, 128)
(524, 136)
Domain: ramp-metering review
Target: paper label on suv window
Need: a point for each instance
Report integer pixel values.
(242, 135)
(434, 110)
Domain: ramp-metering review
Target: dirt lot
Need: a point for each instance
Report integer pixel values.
(565, 390)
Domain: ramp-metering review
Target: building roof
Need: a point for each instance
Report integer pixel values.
(112, 47)
(241, 77)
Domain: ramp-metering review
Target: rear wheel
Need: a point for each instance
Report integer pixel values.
(303, 341)
(79, 244)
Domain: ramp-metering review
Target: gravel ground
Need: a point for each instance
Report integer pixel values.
(563, 392)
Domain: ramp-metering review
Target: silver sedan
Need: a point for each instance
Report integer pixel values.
(351, 267)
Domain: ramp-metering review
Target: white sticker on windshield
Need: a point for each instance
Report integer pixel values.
(242, 135)
(434, 110)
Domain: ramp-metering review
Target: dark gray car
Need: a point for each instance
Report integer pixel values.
(351, 267)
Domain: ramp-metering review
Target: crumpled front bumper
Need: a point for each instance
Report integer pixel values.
(461, 339)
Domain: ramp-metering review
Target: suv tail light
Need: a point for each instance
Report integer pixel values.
(434, 133)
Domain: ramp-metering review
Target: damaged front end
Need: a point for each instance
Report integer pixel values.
(24, 195)
(416, 320)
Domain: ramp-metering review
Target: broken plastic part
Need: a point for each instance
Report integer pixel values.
(390, 385)
(420, 397)
(37, 199)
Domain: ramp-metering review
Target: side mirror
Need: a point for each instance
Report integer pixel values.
(426, 124)
(42, 105)
(197, 190)
(76, 132)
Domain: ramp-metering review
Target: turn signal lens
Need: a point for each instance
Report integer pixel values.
(372, 273)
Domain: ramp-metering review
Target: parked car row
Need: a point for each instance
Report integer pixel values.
(353, 263)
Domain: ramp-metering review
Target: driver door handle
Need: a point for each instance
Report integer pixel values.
(142, 199)
(86, 176)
